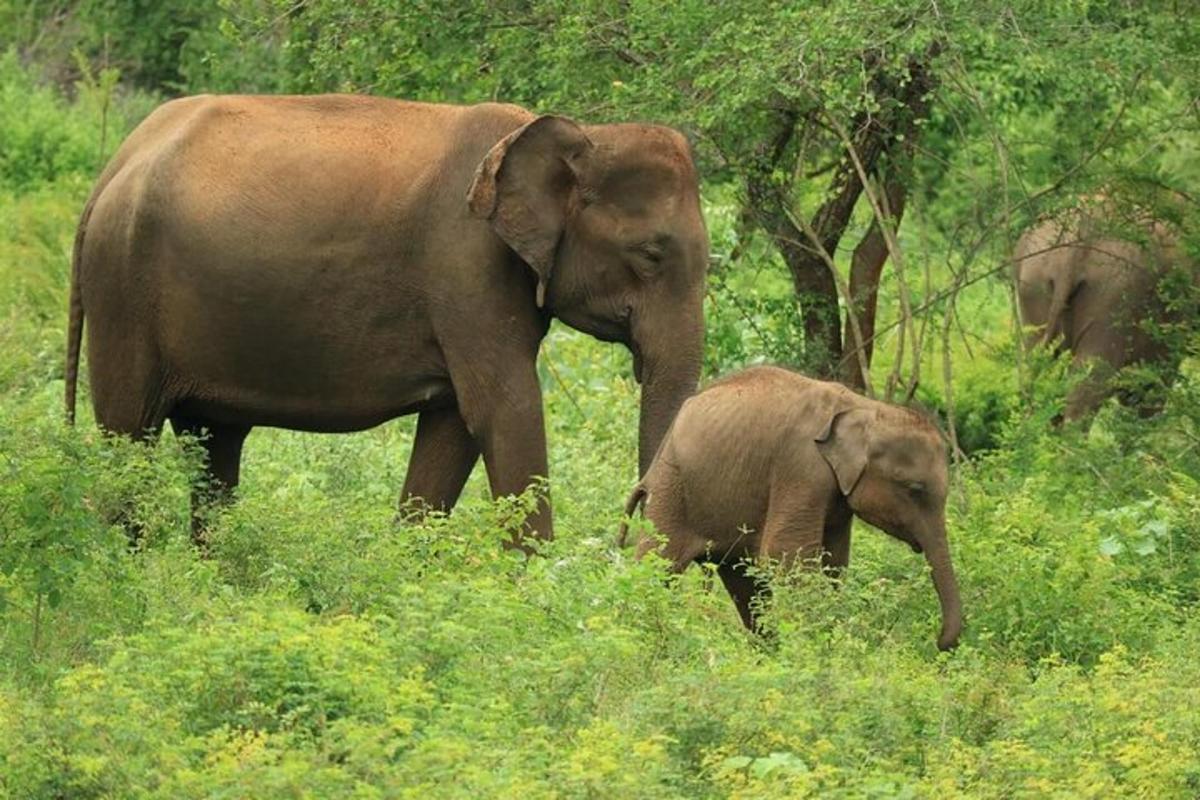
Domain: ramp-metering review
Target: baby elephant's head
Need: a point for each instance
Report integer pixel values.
(890, 463)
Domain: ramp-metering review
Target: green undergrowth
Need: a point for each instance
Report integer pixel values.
(325, 651)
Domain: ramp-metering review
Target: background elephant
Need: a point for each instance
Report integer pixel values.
(1097, 295)
(328, 263)
(768, 463)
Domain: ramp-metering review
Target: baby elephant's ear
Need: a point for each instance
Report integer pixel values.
(843, 445)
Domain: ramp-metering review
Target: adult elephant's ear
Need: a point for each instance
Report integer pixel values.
(526, 187)
(843, 444)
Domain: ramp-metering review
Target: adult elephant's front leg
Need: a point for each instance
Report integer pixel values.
(443, 454)
(511, 433)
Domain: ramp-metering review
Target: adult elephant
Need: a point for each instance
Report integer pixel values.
(1097, 295)
(327, 263)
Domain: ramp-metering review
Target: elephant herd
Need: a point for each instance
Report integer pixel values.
(328, 263)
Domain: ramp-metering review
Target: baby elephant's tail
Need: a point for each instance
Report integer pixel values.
(636, 498)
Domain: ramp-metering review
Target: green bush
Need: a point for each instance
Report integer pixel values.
(43, 137)
(325, 650)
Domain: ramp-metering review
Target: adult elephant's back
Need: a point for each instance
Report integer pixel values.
(268, 259)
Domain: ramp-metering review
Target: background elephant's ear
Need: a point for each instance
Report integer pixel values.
(843, 444)
(526, 186)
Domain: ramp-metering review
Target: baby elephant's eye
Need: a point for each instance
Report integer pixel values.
(916, 487)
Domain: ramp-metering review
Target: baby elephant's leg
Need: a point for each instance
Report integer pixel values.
(792, 530)
(682, 547)
(665, 508)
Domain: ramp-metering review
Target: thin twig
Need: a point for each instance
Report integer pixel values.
(562, 384)
(948, 381)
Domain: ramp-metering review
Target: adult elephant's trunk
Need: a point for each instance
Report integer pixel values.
(937, 553)
(668, 362)
(1056, 317)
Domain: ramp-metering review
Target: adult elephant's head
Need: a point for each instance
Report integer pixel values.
(608, 217)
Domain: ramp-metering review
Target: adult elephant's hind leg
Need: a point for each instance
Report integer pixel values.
(748, 592)
(126, 403)
(222, 446)
(443, 455)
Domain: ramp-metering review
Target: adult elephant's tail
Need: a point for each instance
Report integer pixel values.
(636, 498)
(75, 313)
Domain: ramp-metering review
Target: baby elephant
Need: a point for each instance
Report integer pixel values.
(768, 463)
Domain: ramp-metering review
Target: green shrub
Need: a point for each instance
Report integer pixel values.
(42, 137)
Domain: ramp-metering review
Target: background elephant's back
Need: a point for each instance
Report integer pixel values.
(1049, 254)
(1044, 251)
(1038, 242)
(275, 253)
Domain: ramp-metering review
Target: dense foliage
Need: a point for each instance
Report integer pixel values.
(323, 650)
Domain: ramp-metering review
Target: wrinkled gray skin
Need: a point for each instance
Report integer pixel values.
(1090, 293)
(767, 463)
(328, 263)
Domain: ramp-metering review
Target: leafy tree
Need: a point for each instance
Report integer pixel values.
(154, 43)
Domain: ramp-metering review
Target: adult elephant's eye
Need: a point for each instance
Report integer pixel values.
(651, 253)
(646, 258)
(915, 487)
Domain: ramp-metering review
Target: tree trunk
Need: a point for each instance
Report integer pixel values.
(866, 267)
(816, 292)
(815, 287)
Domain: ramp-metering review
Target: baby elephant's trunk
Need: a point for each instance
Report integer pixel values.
(636, 498)
(937, 553)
